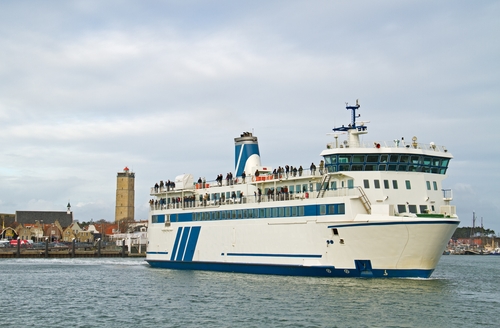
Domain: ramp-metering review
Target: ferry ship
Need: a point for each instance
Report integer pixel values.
(374, 209)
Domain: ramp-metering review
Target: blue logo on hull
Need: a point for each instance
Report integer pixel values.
(185, 244)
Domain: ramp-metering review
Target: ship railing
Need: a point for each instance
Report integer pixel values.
(252, 199)
(261, 178)
(392, 144)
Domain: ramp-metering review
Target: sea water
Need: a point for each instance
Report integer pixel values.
(464, 291)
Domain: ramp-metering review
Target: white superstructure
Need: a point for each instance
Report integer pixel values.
(367, 210)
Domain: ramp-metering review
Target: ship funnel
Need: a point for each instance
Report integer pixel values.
(246, 154)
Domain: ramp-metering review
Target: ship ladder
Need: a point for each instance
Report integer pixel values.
(364, 200)
(324, 185)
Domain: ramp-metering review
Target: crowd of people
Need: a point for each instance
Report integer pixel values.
(278, 173)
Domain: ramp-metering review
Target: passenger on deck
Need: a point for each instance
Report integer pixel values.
(300, 171)
(313, 169)
(243, 176)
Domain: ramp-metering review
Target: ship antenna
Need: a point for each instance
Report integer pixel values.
(353, 119)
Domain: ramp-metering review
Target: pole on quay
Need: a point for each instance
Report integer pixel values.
(18, 254)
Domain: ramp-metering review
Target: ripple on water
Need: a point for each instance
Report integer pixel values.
(128, 293)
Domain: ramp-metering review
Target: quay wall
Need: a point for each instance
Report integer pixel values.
(66, 254)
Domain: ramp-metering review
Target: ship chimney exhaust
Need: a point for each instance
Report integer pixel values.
(247, 155)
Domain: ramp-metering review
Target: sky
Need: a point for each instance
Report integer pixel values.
(163, 87)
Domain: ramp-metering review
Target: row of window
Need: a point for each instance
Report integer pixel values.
(386, 162)
(424, 209)
(253, 213)
(376, 184)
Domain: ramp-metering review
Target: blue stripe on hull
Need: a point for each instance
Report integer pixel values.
(182, 246)
(292, 270)
(177, 238)
(191, 245)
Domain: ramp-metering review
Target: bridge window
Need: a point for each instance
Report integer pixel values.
(393, 158)
(397, 162)
(386, 184)
(376, 183)
(366, 184)
(370, 167)
(428, 185)
(434, 183)
(394, 184)
(356, 167)
(392, 167)
(358, 158)
(408, 184)
(344, 158)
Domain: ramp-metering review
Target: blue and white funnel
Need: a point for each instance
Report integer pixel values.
(247, 156)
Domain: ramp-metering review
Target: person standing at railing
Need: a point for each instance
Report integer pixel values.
(313, 169)
(243, 176)
(321, 167)
(300, 171)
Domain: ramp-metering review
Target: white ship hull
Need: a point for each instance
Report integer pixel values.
(366, 246)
